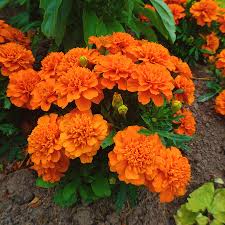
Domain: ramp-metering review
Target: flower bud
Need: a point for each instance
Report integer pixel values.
(123, 110)
(154, 120)
(117, 100)
(176, 105)
(112, 180)
(83, 61)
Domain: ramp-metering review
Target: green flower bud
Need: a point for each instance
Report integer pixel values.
(117, 100)
(123, 110)
(112, 180)
(83, 61)
(176, 105)
(154, 120)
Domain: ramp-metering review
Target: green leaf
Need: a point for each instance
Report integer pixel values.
(202, 220)
(6, 103)
(114, 26)
(214, 86)
(41, 183)
(174, 137)
(216, 222)
(121, 196)
(207, 96)
(55, 18)
(4, 3)
(132, 195)
(70, 189)
(145, 132)
(179, 91)
(184, 216)
(220, 216)
(201, 198)
(8, 129)
(166, 17)
(218, 204)
(101, 187)
(87, 194)
(108, 140)
(59, 199)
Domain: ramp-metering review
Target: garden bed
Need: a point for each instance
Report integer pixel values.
(207, 159)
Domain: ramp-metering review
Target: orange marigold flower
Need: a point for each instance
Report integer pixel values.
(173, 176)
(212, 43)
(114, 69)
(150, 52)
(220, 64)
(220, 103)
(205, 12)
(82, 134)
(45, 149)
(181, 68)
(80, 85)
(54, 174)
(43, 95)
(178, 12)
(50, 64)
(188, 87)
(116, 43)
(221, 19)
(175, 1)
(10, 34)
(135, 155)
(186, 124)
(14, 57)
(72, 59)
(21, 84)
(153, 82)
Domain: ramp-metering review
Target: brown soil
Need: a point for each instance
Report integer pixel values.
(207, 159)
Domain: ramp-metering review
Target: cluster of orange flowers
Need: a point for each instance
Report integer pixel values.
(56, 139)
(207, 11)
(144, 160)
(82, 74)
(80, 77)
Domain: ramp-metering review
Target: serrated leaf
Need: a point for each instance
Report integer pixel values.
(101, 187)
(202, 220)
(184, 216)
(41, 183)
(201, 198)
(108, 140)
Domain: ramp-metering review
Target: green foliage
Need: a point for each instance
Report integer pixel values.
(108, 140)
(205, 206)
(161, 120)
(41, 183)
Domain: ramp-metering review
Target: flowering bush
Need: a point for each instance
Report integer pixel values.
(119, 103)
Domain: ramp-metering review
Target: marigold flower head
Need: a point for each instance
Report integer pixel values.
(21, 84)
(10, 34)
(220, 103)
(72, 59)
(80, 85)
(188, 87)
(178, 12)
(175, 1)
(43, 95)
(220, 64)
(153, 82)
(221, 21)
(173, 176)
(212, 43)
(50, 64)
(205, 12)
(14, 57)
(115, 43)
(82, 134)
(187, 123)
(135, 155)
(54, 174)
(150, 52)
(181, 68)
(45, 149)
(114, 69)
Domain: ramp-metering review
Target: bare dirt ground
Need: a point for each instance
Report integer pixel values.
(207, 159)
